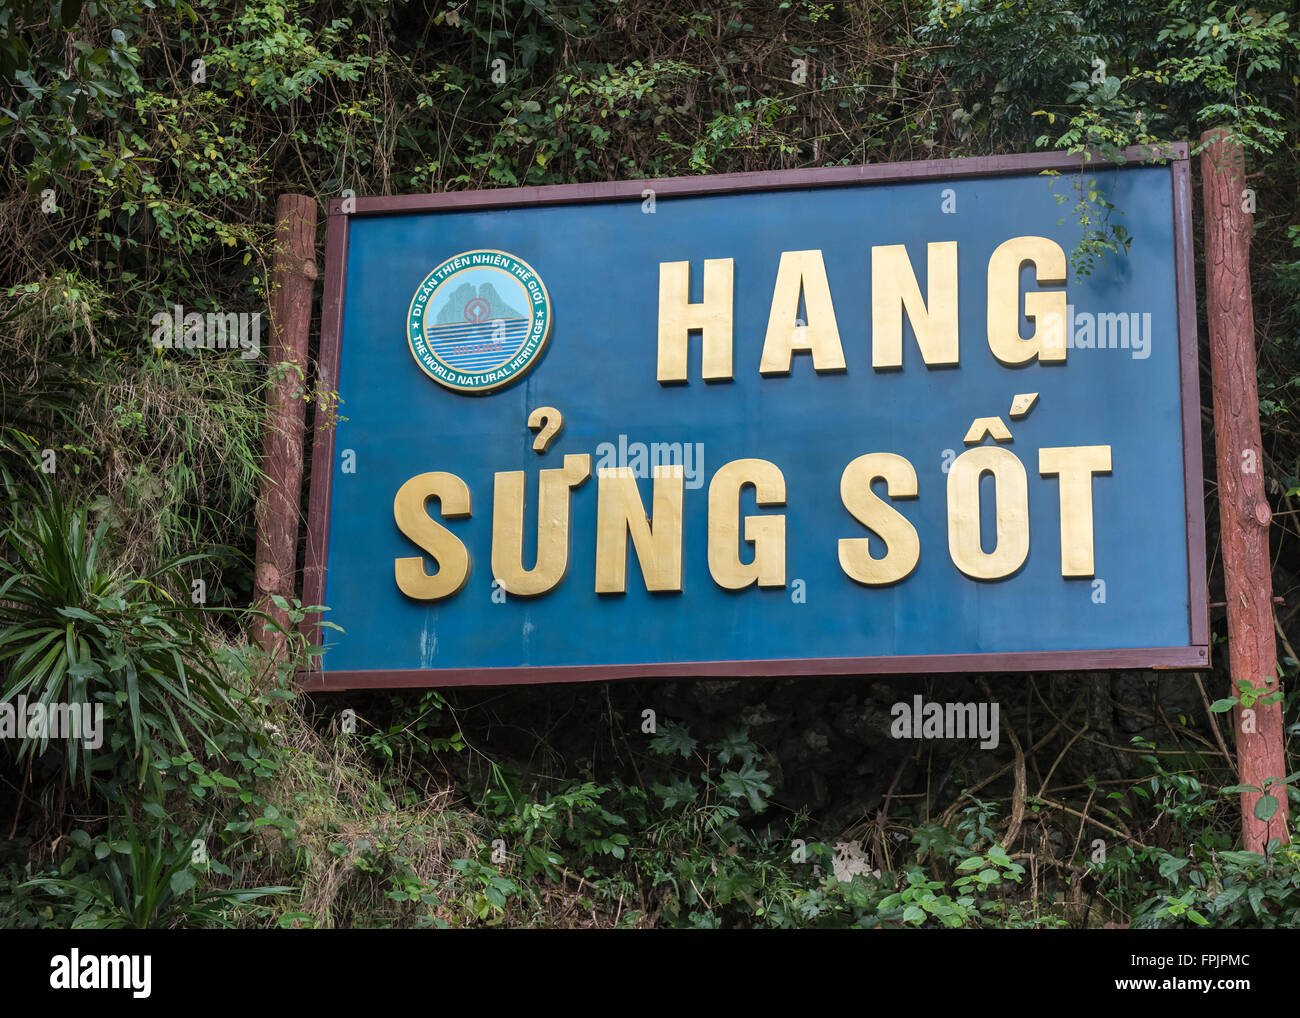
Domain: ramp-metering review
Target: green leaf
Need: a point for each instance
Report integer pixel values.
(678, 793)
(672, 737)
(748, 783)
(735, 744)
(183, 881)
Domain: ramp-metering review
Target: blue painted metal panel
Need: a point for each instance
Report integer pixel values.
(600, 264)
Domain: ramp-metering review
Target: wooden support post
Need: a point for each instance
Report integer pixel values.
(1244, 513)
(294, 281)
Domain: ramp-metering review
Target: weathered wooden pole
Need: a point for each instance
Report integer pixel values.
(1244, 514)
(294, 281)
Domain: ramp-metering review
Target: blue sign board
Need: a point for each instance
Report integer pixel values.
(866, 419)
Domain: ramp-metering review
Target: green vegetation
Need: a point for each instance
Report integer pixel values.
(145, 143)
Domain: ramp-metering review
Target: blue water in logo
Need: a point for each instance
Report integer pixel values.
(477, 347)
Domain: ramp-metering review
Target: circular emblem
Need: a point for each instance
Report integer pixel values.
(479, 321)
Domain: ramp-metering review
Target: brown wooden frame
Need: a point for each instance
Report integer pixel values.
(1195, 655)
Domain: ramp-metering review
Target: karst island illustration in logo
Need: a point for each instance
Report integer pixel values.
(479, 321)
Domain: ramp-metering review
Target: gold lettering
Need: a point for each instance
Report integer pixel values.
(678, 316)
(1075, 466)
(801, 272)
(894, 291)
(553, 515)
(1011, 502)
(765, 533)
(902, 546)
(1046, 307)
(620, 511)
(447, 551)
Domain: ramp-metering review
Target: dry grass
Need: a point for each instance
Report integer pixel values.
(361, 834)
